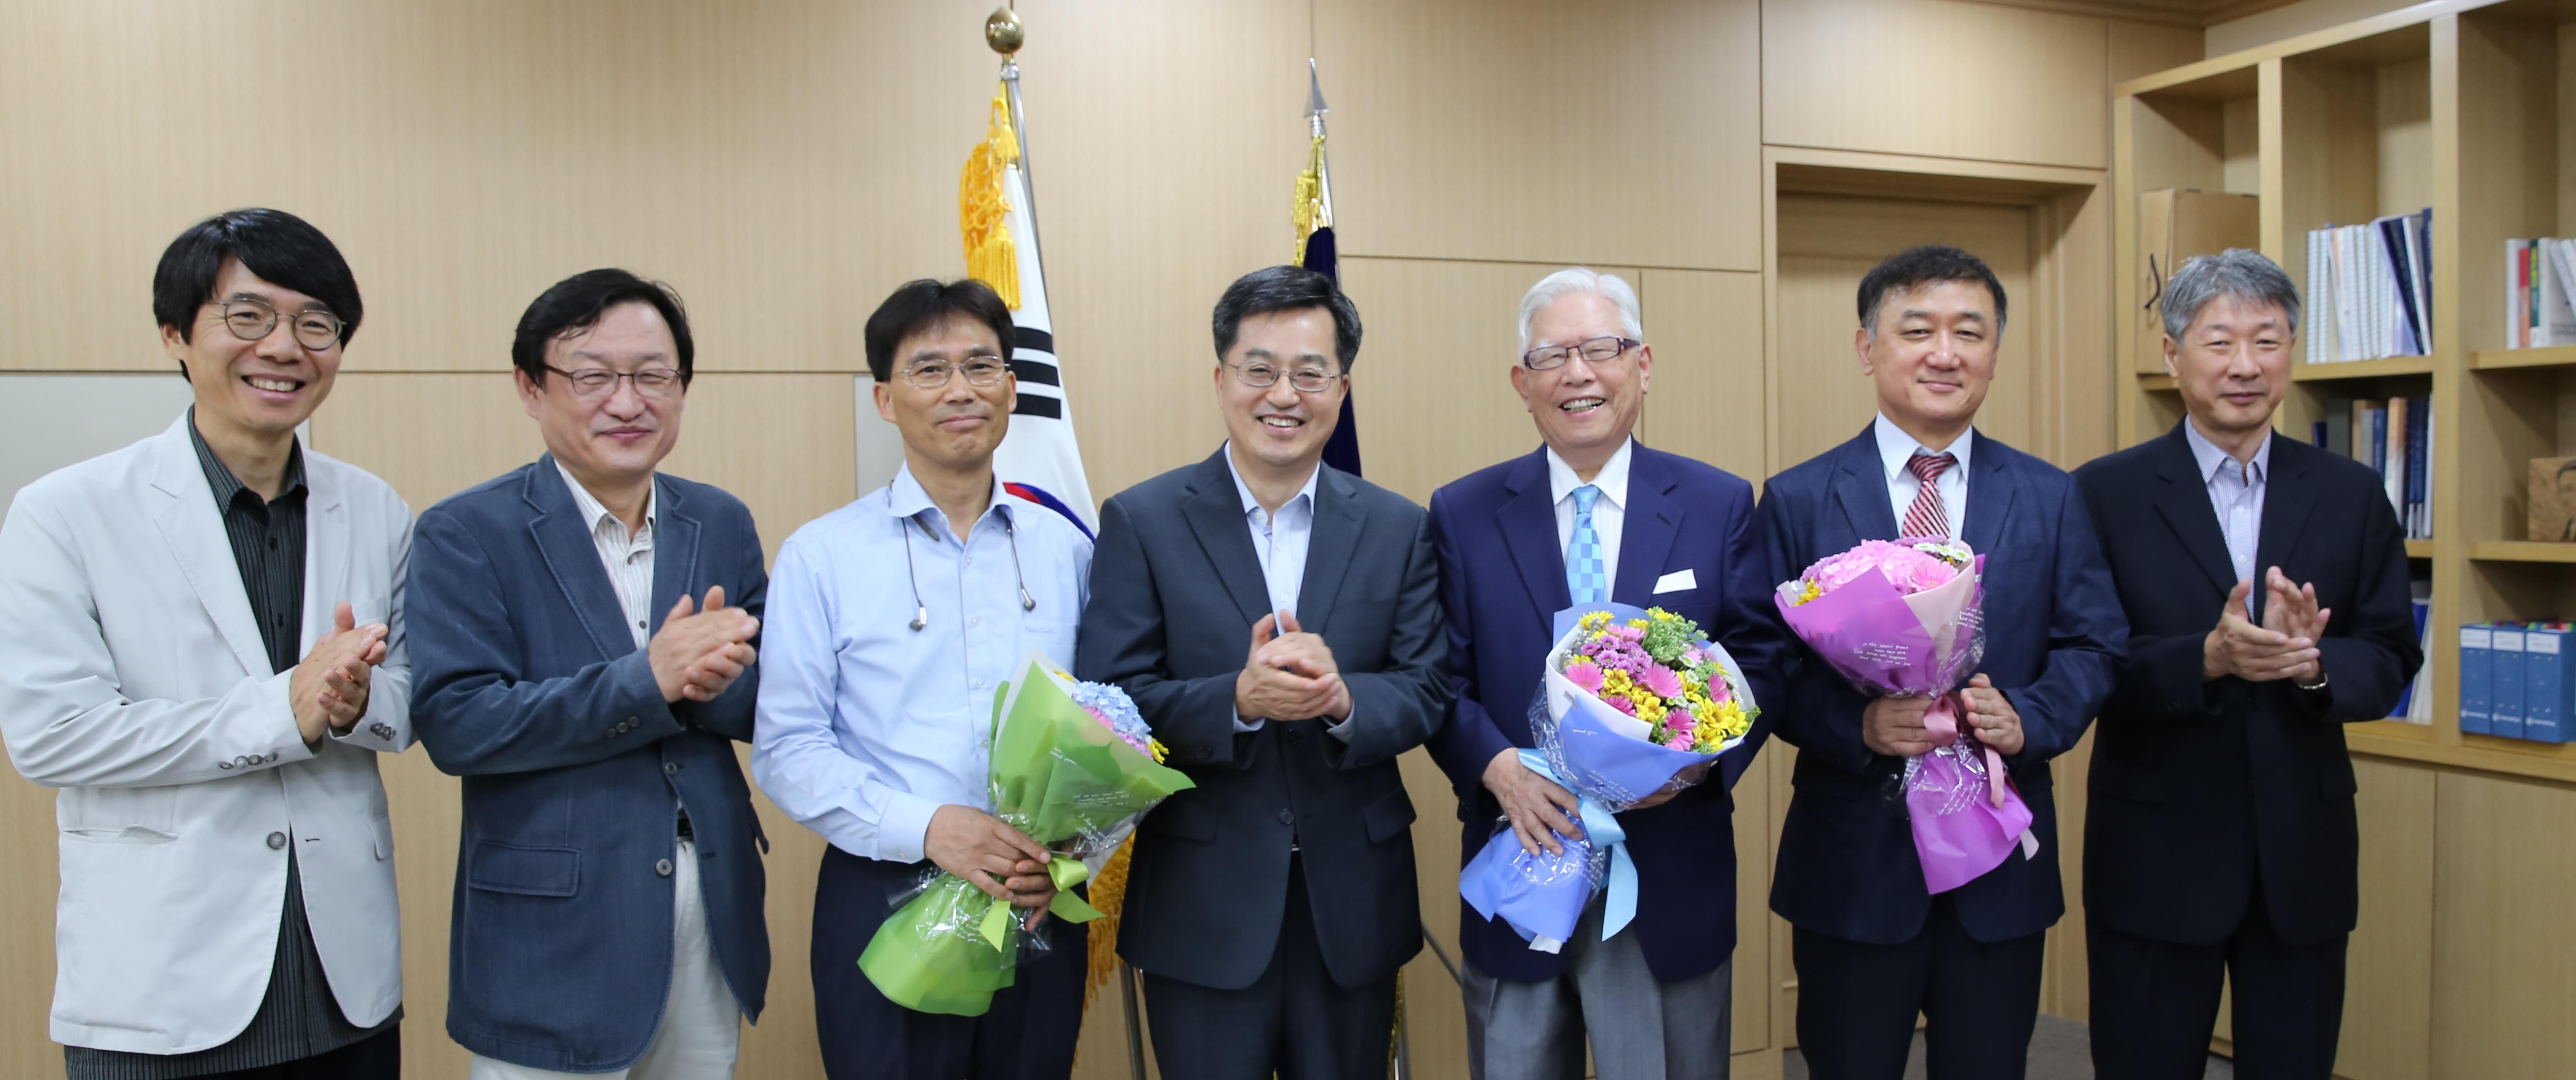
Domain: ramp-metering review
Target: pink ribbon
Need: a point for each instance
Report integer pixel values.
(1942, 722)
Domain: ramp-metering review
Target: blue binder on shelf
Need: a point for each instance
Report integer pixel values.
(2545, 683)
(2504, 703)
(2477, 678)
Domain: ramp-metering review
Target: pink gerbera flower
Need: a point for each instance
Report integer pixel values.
(1661, 680)
(1586, 674)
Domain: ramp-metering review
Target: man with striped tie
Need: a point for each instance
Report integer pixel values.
(1873, 946)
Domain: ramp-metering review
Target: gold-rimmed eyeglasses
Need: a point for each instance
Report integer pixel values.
(982, 369)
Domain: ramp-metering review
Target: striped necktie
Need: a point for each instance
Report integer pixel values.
(1927, 517)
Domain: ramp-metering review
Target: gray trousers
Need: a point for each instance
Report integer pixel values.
(1640, 1029)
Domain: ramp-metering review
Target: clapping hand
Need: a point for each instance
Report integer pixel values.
(699, 653)
(2275, 650)
(2292, 610)
(328, 691)
(1289, 675)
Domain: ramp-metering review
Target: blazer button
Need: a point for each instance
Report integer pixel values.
(1286, 818)
(663, 868)
(670, 767)
(276, 840)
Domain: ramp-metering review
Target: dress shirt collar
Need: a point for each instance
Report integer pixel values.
(592, 510)
(1895, 448)
(228, 487)
(1612, 479)
(906, 498)
(2213, 460)
(1252, 505)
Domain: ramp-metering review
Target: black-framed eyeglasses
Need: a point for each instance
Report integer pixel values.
(1306, 380)
(254, 320)
(601, 382)
(1600, 350)
(981, 369)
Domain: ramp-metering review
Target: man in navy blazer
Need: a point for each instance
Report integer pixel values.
(2267, 583)
(608, 881)
(1872, 945)
(1636, 526)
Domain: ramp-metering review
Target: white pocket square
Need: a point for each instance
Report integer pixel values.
(1676, 581)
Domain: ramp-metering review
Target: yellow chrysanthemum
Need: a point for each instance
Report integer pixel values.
(1808, 590)
(1594, 621)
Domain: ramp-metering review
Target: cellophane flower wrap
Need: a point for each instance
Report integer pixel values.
(1905, 618)
(1631, 703)
(1074, 767)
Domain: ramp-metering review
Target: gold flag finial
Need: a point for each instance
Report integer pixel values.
(1002, 31)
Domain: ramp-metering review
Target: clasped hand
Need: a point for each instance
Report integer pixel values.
(1289, 675)
(1896, 725)
(696, 656)
(328, 691)
(991, 855)
(2283, 646)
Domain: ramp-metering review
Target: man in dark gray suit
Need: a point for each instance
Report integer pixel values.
(1270, 907)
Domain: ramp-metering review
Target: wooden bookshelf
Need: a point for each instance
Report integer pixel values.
(2507, 359)
(2462, 106)
(2362, 369)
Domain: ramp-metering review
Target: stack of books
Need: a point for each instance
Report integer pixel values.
(2515, 682)
(2540, 293)
(2370, 289)
(2394, 437)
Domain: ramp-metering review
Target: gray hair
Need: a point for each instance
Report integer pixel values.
(1577, 279)
(2238, 272)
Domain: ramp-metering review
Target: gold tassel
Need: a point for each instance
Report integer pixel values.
(984, 206)
(1308, 202)
(1108, 895)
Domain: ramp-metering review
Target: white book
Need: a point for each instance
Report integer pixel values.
(2517, 300)
(2557, 321)
(2320, 332)
(2347, 298)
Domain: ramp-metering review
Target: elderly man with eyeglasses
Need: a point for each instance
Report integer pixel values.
(1594, 516)
(585, 659)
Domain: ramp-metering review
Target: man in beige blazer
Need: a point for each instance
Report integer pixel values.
(201, 647)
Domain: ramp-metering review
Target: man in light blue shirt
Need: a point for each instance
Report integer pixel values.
(891, 624)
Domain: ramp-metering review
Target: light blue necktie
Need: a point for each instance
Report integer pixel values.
(1584, 581)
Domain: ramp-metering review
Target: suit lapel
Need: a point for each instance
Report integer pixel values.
(1991, 490)
(1216, 517)
(1338, 517)
(563, 540)
(1647, 527)
(326, 555)
(2183, 501)
(1528, 524)
(193, 526)
(675, 552)
(1862, 489)
(2287, 499)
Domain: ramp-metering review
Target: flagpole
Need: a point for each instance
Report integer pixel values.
(1004, 32)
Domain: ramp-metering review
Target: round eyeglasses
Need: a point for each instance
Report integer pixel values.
(254, 320)
(979, 371)
(601, 382)
(1303, 380)
(1600, 350)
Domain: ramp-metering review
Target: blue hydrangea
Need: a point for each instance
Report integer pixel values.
(1114, 708)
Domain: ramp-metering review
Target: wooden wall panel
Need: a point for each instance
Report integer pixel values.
(1523, 130)
(1707, 400)
(1892, 76)
(2501, 981)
